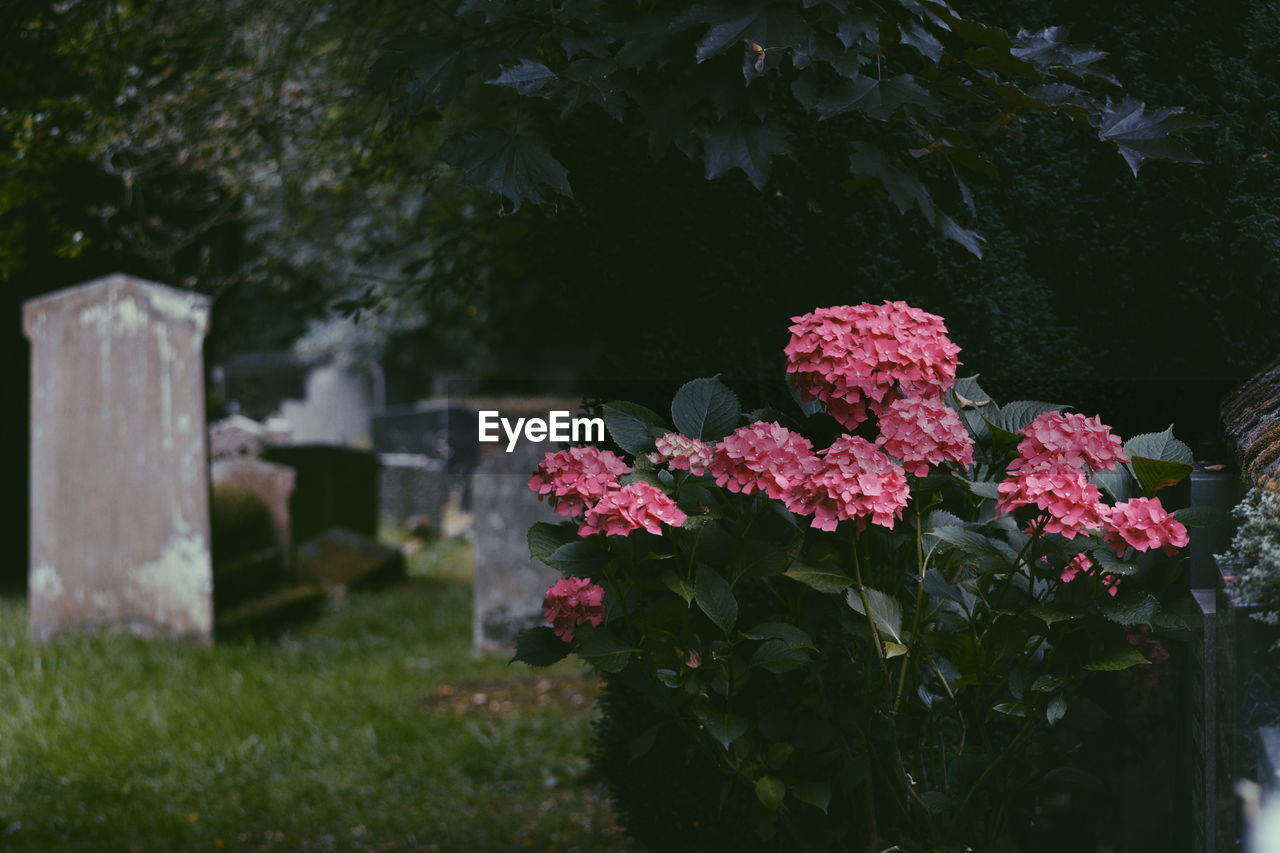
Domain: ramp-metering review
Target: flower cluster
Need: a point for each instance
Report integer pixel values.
(682, 453)
(574, 479)
(1144, 524)
(852, 357)
(853, 480)
(1083, 565)
(634, 506)
(571, 602)
(1055, 440)
(762, 457)
(924, 431)
(1071, 501)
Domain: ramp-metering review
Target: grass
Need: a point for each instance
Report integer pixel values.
(374, 727)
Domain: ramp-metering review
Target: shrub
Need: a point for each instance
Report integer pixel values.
(886, 641)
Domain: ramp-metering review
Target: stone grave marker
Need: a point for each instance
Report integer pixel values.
(336, 410)
(273, 485)
(509, 585)
(119, 477)
(336, 487)
(236, 436)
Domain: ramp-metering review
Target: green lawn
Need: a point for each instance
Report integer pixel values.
(374, 727)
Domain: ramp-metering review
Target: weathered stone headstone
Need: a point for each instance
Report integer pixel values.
(335, 487)
(271, 483)
(509, 585)
(337, 408)
(236, 436)
(119, 478)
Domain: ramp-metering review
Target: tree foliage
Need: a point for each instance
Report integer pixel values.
(912, 89)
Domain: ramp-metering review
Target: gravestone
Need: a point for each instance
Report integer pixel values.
(335, 487)
(509, 584)
(236, 436)
(270, 483)
(337, 408)
(119, 478)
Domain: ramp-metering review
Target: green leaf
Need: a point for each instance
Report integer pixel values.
(678, 585)
(823, 580)
(936, 584)
(948, 229)
(1109, 562)
(777, 656)
(1203, 516)
(604, 651)
(581, 558)
(985, 489)
(735, 144)
(1049, 616)
(993, 554)
(1118, 483)
(1131, 608)
(1159, 445)
(520, 168)
(540, 647)
(731, 26)
(816, 794)
(1057, 709)
(544, 538)
(789, 634)
(903, 188)
(725, 728)
(1016, 416)
(942, 518)
(970, 400)
(631, 426)
(878, 98)
(1012, 709)
(770, 790)
(705, 409)
(526, 77)
(1047, 683)
(763, 559)
(1122, 659)
(1156, 474)
(886, 612)
(715, 598)
(1140, 134)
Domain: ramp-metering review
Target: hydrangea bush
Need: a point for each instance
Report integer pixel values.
(870, 621)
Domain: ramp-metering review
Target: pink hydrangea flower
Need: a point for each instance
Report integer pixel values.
(682, 453)
(1055, 440)
(1082, 565)
(761, 457)
(571, 480)
(1144, 524)
(851, 480)
(571, 602)
(849, 356)
(1073, 503)
(630, 508)
(924, 431)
